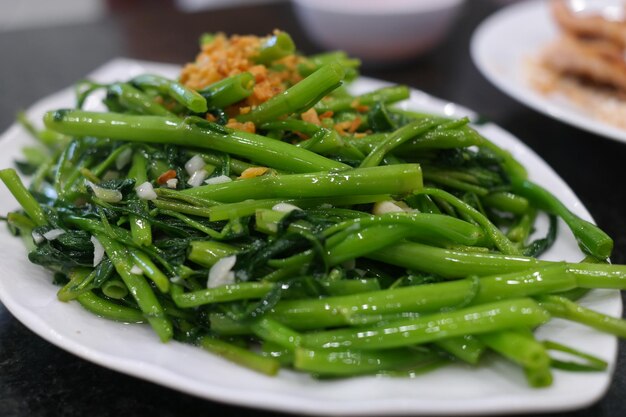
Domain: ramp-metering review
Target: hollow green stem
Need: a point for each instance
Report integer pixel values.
(108, 309)
(136, 100)
(228, 91)
(396, 139)
(430, 227)
(207, 252)
(138, 287)
(394, 179)
(157, 129)
(337, 311)
(441, 177)
(359, 362)
(590, 237)
(521, 230)
(235, 166)
(506, 201)
(232, 292)
(274, 331)
(385, 95)
(521, 347)
(592, 363)
(250, 207)
(101, 168)
(195, 224)
(451, 263)
(566, 309)
(518, 346)
(300, 97)
(114, 289)
(274, 48)
(140, 228)
(479, 319)
(466, 348)
(150, 269)
(175, 206)
(255, 290)
(292, 125)
(185, 96)
(499, 239)
(240, 356)
(23, 196)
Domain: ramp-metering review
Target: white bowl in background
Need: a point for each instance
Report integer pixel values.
(378, 30)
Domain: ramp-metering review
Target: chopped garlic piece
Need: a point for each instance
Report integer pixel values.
(220, 274)
(218, 180)
(98, 251)
(285, 207)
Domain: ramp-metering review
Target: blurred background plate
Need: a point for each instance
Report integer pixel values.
(501, 47)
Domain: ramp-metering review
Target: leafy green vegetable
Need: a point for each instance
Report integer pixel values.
(345, 236)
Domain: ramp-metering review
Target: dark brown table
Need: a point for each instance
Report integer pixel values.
(37, 379)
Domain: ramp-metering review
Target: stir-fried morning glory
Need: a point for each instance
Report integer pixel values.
(255, 208)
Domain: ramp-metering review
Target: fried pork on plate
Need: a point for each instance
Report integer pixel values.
(593, 43)
(601, 19)
(591, 59)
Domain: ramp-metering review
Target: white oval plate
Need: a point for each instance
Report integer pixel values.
(497, 387)
(500, 48)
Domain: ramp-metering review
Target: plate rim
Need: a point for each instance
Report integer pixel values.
(166, 377)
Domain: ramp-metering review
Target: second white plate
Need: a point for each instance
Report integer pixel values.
(500, 48)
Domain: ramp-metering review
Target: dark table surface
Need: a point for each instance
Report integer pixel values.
(38, 379)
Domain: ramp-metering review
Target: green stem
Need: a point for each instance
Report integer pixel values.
(228, 91)
(300, 97)
(274, 48)
(466, 348)
(499, 239)
(518, 346)
(101, 168)
(23, 196)
(430, 227)
(506, 201)
(138, 287)
(185, 96)
(233, 292)
(566, 309)
(337, 311)
(450, 263)
(292, 125)
(396, 139)
(137, 101)
(250, 207)
(234, 166)
(181, 208)
(207, 252)
(108, 309)
(140, 227)
(590, 237)
(359, 362)
(394, 179)
(150, 269)
(240, 356)
(168, 130)
(114, 289)
(484, 318)
(385, 95)
(273, 331)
